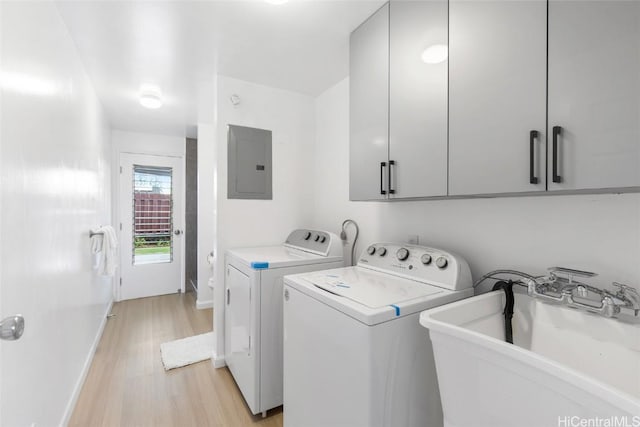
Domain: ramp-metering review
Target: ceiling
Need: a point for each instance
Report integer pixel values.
(179, 46)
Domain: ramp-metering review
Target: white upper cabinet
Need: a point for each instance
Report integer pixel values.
(594, 94)
(418, 98)
(489, 97)
(497, 96)
(369, 108)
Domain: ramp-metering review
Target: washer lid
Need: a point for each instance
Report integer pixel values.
(369, 296)
(370, 288)
(280, 256)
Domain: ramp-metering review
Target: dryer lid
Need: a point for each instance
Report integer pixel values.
(280, 256)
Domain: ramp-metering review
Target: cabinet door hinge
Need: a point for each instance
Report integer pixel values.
(121, 281)
(120, 169)
(120, 226)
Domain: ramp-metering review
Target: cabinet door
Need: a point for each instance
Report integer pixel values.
(418, 98)
(497, 96)
(594, 94)
(369, 108)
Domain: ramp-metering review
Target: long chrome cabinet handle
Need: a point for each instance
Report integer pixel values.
(533, 135)
(557, 131)
(382, 166)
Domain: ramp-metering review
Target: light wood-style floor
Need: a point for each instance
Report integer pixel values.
(128, 386)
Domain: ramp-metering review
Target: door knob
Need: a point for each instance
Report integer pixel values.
(177, 232)
(11, 328)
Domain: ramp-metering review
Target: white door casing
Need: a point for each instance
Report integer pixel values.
(165, 274)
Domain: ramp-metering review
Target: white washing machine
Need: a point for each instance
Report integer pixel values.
(253, 309)
(354, 351)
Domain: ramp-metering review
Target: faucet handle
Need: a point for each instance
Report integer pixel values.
(629, 295)
(624, 289)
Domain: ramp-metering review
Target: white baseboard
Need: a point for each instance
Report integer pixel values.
(217, 361)
(204, 304)
(85, 370)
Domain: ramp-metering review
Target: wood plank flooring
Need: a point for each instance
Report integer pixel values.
(128, 386)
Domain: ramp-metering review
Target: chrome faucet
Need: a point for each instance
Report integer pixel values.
(560, 287)
(560, 282)
(629, 297)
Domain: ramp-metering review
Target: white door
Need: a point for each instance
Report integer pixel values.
(418, 99)
(594, 94)
(369, 108)
(238, 325)
(497, 96)
(152, 224)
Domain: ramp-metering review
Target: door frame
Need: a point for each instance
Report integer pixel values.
(116, 212)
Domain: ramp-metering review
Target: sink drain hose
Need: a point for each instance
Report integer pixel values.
(507, 287)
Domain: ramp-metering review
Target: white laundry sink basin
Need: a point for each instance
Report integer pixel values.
(565, 365)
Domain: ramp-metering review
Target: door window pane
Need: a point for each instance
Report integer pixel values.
(152, 215)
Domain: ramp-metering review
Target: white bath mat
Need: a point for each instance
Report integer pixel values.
(186, 351)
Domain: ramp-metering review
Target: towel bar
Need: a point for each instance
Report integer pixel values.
(93, 233)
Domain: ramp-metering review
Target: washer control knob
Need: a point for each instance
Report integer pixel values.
(371, 250)
(402, 254)
(382, 251)
(323, 239)
(307, 235)
(317, 237)
(426, 259)
(442, 262)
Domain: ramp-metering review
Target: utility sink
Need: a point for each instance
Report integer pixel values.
(565, 364)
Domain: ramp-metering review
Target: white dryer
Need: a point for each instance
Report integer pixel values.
(354, 352)
(253, 309)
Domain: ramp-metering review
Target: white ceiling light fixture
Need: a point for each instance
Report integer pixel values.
(276, 2)
(435, 54)
(150, 97)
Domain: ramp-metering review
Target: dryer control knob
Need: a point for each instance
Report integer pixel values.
(307, 235)
(382, 251)
(442, 262)
(402, 254)
(371, 250)
(323, 239)
(426, 259)
(317, 237)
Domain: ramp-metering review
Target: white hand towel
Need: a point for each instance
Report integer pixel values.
(96, 241)
(105, 244)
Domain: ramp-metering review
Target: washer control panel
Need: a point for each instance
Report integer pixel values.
(314, 241)
(421, 263)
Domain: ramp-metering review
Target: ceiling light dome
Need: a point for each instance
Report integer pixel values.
(150, 96)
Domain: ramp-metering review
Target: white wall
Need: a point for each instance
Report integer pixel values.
(206, 210)
(140, 143)
(262, 222)
(598, 233)
(55, 168)
(207, 166)
(147, 143)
